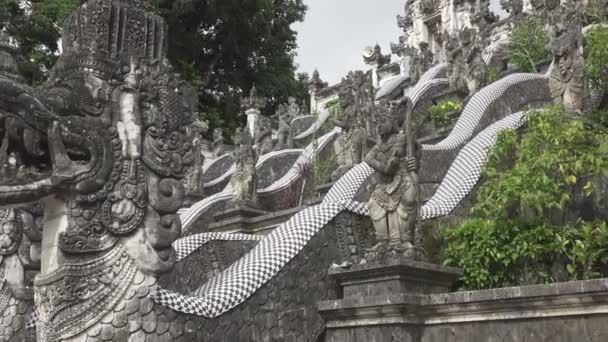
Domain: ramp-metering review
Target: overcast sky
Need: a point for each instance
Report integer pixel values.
(335, 32)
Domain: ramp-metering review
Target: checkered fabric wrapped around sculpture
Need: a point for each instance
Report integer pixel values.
(464, 173)
(476, 108)
(190, 244)
(239, 281)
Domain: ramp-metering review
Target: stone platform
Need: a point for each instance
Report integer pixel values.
(403, 301)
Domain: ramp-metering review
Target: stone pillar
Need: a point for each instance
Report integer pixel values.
(379, 300)
(252, 120)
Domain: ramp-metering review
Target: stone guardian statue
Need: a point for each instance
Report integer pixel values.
(394, 205)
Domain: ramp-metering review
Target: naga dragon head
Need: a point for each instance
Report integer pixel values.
(105, 143)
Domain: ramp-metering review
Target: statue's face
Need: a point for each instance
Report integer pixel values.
(385, 125)
(517, 6)
(552, 4)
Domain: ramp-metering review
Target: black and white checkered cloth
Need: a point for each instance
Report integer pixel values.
(239, 281)
(476, 108)
(465, 172)
(188, 245)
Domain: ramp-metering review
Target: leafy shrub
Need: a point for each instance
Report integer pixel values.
(520, 227)
(586, 248)
(528, 44)
(597, 58)
(440, 113)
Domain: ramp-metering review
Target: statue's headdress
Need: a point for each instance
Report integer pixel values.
(103, 33)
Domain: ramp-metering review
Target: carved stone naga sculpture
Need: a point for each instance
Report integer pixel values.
(109, 134)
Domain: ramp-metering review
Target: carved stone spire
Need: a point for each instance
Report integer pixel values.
(316, 83)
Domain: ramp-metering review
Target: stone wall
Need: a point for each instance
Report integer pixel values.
(565, 312)
(284, 309)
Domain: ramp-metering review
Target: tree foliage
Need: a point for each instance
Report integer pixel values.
(523, 220)
(222, 47)
(226, 46)
(528, 44)
(597, 57)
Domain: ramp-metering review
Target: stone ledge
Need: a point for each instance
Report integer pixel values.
(394, 276)
(581, 298)
(254, 225)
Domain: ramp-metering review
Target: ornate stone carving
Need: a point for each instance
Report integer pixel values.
(467, 70)
(110, 136)
(316, 83)
(244, 181)
(194, 180)
(394, 203)
(352, 116)
(476, 73)
(375, 57)
(263, 137)
(406, 21)
(421, 61)
(20, 235)
(568, 81)
(428, 7)
(293, 109)
(284, 133)
(219, 145)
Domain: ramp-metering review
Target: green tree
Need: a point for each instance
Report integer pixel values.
(528, 42)
(597, 57)
(36, 26)
(222, 47)
(226, 46)
(525, 216)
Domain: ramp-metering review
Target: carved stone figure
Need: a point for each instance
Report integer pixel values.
(421, 61)
(293, 109)
(349, 145)
(284, 133)
(244, 181)
(456, 64)
(393, 205)
(263, 137)
(402, 50)
(568, 81)
(219, 146)
(476, 70)
(194, 180)
(110, 135)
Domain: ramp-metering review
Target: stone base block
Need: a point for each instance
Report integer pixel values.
(394, 277)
